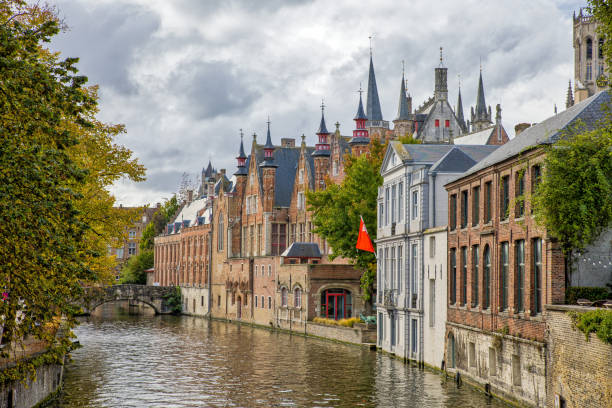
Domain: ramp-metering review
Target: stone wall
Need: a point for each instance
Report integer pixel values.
(195, 300)
(355, 335)
(48, 380)
(580, 371)
(515, 368)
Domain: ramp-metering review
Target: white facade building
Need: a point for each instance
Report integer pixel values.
(412, 214)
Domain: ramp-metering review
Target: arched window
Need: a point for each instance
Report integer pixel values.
(600, 48)
(220, 233)
(486, 301)
(284, 297)
(297, 297)
(589, 48)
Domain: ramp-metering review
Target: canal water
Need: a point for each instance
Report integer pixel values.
(170, 361)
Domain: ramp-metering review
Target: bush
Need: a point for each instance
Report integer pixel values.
(585, 292)
(134, 270)
(594, 321)
(174, 300)
(342, 322)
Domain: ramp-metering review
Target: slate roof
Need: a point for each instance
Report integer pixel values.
(189, 211)
(588, 111)
(360, 113)
(286, 160)
(475, 138)
(373, 103)
(302, 250)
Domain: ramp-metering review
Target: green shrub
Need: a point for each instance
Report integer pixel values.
(342, 322)
(594, 321)
(585, 292)
(174, 300)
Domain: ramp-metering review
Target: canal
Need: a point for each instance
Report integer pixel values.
(170, 361)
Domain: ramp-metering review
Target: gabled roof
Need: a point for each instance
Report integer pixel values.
(189, 212)
(475, 138)
(302, 250)
(589, 111)
(454, 161)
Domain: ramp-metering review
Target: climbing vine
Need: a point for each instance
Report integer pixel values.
(594, 321)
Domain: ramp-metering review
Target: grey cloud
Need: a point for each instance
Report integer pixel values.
(107, 38)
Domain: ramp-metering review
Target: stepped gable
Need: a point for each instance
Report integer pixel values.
(589, 112)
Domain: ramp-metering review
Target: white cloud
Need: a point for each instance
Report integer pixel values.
(185, 76)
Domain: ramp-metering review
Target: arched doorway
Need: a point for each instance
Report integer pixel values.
(336, 304)
(239, 308)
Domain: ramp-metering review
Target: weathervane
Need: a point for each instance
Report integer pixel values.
(440, 56)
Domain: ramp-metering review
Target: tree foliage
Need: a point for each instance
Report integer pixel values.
(56, 161)
(337, 209)
(134, 269)
(574, 199)
(161, 217)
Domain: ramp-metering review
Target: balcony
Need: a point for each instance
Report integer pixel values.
(390, 298)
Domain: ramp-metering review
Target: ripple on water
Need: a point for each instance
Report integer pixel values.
(168, 361)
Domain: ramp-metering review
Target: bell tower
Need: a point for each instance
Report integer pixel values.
(590, 70)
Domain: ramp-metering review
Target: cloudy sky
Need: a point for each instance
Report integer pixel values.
(185, 75)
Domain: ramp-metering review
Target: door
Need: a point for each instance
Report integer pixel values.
(239, 308)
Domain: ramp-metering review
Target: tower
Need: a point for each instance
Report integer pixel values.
(459, 112)
(268, 173)
(441, 87)
(480, 117)
(360, 141)
(241, 159)
(590, 70)
(322, 153)
(403, 124)
(377, 127)
(569, 101)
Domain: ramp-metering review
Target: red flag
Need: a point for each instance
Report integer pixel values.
(363, 240)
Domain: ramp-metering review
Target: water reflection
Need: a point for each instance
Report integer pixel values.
(167, 361)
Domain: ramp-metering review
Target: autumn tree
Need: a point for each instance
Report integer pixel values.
(56, 162)
(337, 209)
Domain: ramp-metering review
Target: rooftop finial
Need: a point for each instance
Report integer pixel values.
(459, 79)
(402, 68)
(241, 134)
(322, 105)
(480, 59)
(370, 37)
(254, 137)
(441, 56)
(268, 122)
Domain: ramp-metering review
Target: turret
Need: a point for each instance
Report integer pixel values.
(376, 125)
(361, 137)
(481, 117)
(459, 112)
(241, 159)
(569, 101)
(441, 87)
(403, 124)
(322, 153)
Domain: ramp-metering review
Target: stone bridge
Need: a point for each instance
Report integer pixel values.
(153, 296)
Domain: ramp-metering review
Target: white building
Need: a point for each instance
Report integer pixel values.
(411, 245)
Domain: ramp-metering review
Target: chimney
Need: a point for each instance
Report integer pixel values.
(287, 142)
(157, 205)
(120, 205)
(518, 129)
(189, 196)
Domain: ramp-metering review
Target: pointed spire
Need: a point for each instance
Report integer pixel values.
(459, 111)
(241, 154)
(569, 101)
(481, 106)
(268, 144)
(209, 170)
(402, 111)
(241, 159)
(373, 103)
(360, 114)
(322, 128)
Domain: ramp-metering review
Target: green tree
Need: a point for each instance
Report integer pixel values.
(134, 269)
(161, 217)
(337, 209)
(574, 199)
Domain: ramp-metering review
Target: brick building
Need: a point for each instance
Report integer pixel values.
(502, 267)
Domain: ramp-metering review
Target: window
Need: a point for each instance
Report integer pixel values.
(380, 215)
(279, 238)
(537, 275)
(437, 122)
(132, 234)
(381, 331)
(415, 204)
(492, 362)
(291, 233)
(475, 205)
(453, 267)
(284, 297)
(519, 195)
(463, 276)
(505, 197)
(119, 253)
(447, 123)
(589, 71)
(202, 301)
(131, 248)
(335, 168)
(589, 48)
(453, 212)
(400, 202)
(301, 201)
(519, 262)
(269, 270)
(472, 357)
(297, 297)
(475, 261)
(393, 204)
(387, 206)
(487, 206)
(600, 48)
(392, 271)
(516, 370)
(219, 301)
(414, 335)
(385, 270)
(432, 247)
(301, 176)
(504, 276)
(263, 303)
(256, 301)
(415, 267)
(464, 209)
(432, 302)
(269, 302)
(487, 278)
(220, 233)
(399, 267)
(259, 240)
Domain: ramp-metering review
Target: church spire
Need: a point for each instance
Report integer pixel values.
(403, 112)
(481, 106)
(268, 147)
(480, 116)
(241, 159)
(360, 114)
(569, 102)
(459, 112)
(373, 103)
(322, 148)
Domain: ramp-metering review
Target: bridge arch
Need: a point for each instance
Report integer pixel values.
(153, 296)
(96, 305)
